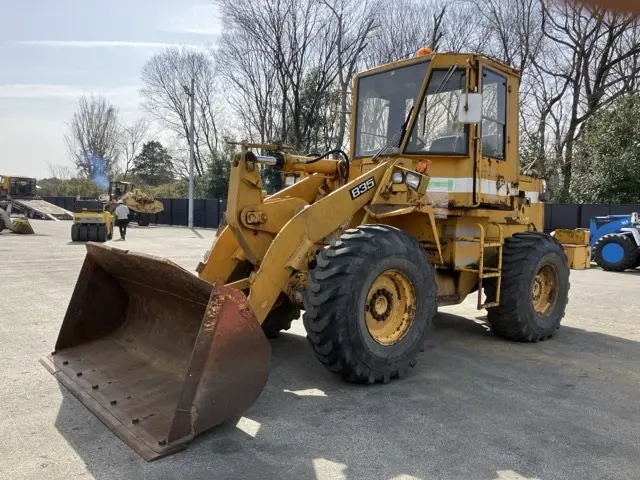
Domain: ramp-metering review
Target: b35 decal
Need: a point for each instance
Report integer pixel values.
(364, 187)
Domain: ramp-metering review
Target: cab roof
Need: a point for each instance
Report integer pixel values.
(454, 58)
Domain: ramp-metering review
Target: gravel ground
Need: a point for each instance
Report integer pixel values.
(475, 407)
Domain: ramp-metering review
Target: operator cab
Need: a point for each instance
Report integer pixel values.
(449, 109)
(17, 187)
(118, 189)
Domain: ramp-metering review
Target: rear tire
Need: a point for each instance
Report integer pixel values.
(83, 233)
(75, 232)
(616, 252)
(535, 288)
(360, 323)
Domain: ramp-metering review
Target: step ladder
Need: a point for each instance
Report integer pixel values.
(482, 271)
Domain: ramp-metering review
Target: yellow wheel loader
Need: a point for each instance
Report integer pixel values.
(428, 208)
(142, 205)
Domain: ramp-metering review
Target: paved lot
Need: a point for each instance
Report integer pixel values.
(475, 407)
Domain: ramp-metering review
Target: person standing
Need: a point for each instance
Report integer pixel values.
(122, 218)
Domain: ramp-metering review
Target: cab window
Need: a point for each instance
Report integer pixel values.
(437, 130)
(494, 114)
(384, 102)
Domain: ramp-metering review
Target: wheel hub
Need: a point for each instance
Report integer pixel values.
(544, 290)
(390, 307)
(381, 304)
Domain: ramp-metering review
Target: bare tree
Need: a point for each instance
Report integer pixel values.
(132, 138)
(254, 95)
(92, 139)
(299, 48)
(597, 57)
(164, 76)
(400, 35)
(514, 27)
(60, 172)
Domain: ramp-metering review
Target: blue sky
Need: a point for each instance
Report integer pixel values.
(52, 51)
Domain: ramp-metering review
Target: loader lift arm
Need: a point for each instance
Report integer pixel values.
(297, 235)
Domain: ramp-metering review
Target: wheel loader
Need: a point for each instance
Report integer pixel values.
(141, 204)
(428, 207)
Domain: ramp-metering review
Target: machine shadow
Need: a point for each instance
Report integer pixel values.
(474, 405)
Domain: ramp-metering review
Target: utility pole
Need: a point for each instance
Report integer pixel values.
(192, 96)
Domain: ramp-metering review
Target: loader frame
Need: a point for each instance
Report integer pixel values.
(460, 220)
(419, 215)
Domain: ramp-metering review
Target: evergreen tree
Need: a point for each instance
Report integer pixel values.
(154, 164)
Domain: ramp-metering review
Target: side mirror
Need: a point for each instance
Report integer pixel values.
(470, 108)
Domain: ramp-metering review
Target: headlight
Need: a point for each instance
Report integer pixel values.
(413, 180)
(289, 180)
(397, 177)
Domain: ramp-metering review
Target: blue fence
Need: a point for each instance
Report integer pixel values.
(208, 212)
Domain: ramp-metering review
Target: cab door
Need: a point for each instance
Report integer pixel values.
(497, 167)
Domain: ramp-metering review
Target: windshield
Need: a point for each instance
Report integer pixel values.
(437, 130)
(384, 101)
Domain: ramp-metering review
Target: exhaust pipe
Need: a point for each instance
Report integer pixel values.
(156, 353)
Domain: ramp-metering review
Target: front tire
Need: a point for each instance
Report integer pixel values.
(75, 228)
(93, 233)
(83, 233)
(370, 303)
(535, 288)
(616, 252)
(102, 233)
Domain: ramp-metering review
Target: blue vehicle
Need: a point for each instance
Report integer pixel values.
(615, 241)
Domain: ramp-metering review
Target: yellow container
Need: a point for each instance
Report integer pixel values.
(578, 256)
(579, 236)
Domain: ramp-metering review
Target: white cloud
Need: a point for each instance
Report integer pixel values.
(32, 90)
(97, 44)
(123, 96)
(198, 20)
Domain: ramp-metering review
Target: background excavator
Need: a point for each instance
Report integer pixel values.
(428, 208)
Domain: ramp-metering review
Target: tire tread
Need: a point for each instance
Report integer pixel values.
(327, 298)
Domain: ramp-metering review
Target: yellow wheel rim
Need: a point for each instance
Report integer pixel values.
(390, 308)
(544, 293)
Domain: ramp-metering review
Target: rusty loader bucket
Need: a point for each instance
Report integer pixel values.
(156, 353)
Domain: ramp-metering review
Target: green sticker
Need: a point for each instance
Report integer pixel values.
(440, 185)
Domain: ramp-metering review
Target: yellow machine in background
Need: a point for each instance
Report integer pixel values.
(12, 186)
(142, 205)
(428, 208)
(92, 221)
(16, 224)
